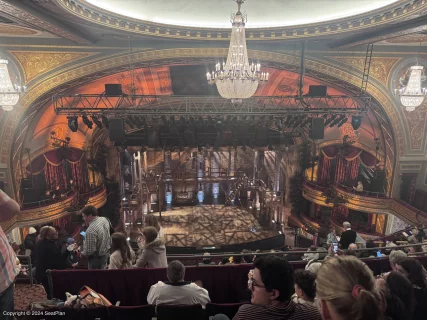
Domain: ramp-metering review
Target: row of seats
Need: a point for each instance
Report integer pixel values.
(146, 312)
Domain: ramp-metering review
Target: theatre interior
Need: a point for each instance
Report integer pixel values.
(240, 125)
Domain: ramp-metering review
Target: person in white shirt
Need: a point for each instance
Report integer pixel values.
(176, 290)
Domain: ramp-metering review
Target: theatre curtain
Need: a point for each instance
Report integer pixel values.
(53, 164)
(347, 162)
(340, 212)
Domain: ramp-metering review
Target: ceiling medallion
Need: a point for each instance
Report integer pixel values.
(9, 93)
(237, 79)
(411, 92)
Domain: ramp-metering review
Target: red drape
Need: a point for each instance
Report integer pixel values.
(324, 170)
(55, 176)
(80, 175)
(340, 212)
(350, 153)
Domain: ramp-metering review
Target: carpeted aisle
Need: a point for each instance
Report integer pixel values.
(26, 294)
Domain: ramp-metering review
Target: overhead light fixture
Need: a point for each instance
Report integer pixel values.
(9, 92)
(97, 122)
(237, 79)
(105, 121)
(87, 122)
(73, 123)
(356, 122)
(412, 93)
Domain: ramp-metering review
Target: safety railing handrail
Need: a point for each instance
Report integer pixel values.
(225, 255)
(94, 191)
(29, 205)
(361, 193)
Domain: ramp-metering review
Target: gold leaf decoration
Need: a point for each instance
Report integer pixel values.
(36, 63)
(380, 67)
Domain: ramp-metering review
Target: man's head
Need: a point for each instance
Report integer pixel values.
(32, 230)
(273, 279)
(57, 188)
(395, 257)
(352, 246)
(346, 224)
(176, 271)
(47, 192)
(89, 213)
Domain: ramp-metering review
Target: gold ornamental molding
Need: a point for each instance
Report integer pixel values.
(36, 63)
(45, 214)
(393, 13)
(380, 67)
(363, 203)
(379, 154)
(146, 58)
(13, 30)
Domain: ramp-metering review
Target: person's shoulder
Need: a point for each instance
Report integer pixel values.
(306, 311)
(250, 308)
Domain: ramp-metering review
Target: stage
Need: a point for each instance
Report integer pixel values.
(211, 226)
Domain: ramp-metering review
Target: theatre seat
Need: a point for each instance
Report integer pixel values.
(132, 313)
(187, 312)
(229, 309)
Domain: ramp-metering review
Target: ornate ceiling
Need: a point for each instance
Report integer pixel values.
(261, 14)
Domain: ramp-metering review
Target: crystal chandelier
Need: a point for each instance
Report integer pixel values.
(412, 93)
(9, 93)
(237, 79)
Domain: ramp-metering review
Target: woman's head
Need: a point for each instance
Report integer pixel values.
(305, 284)
(399, 296)
(346, 289)
(150, 234)
(151, 221)
(413, 270)
(118, 242)
(48, 233)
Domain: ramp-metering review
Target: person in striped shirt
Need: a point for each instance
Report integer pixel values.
(272, 285)
(8, 270)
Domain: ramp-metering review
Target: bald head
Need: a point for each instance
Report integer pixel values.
(352, 246)
(346, 224)
(176, 271)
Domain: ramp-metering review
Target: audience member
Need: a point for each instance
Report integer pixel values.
(359, 186)
(224, 261)
(176, 290)
(69, 250)
(49, 256)
(96, 245)
(369, 253)
(414, 271)
(395, 257)
(313, 266)
(305, 287)
(30, 244)
(272, 285)
(8, 272)
(348, 236)
(399, 296)
(154, 250)
(207, 261)
(346, 290)
(247, 258)
(122, 255)
(352, 246)
(421, 235)
(151, 221)
(237, 259)
(332, 236)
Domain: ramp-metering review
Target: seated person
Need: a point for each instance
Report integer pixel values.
(176, 290)
(47, 196)
(57, 193)
(305, 287)
(272, 285)
(359, 186)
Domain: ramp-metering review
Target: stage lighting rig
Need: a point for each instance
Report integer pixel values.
(73, 123)
(105, 121)
(356, 122)
(330, 119)
(342, 122)
(97, 122)
(87, 122)
(129, 123)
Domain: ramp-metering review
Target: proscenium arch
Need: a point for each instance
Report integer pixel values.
(99, 68)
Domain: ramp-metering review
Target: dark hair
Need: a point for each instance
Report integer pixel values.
(247, 259)
(118, 242)
(90, 210)
(306, 281)
(415, 271)
(225, 260)
(276, 273)
(237, 259)
(176, 271)
(350, 252)
(150, 234)
(399, 297)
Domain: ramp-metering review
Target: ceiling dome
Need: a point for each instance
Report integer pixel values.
(261, 14)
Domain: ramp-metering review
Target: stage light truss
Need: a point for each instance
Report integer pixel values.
(152, 105)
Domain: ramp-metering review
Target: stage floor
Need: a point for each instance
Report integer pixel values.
(211, 225)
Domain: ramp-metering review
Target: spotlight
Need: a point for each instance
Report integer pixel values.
(342, 122)
(73, 123)
(332, 118)
(97, 122)
(87, 122)
(129, 123)
(356, 122)
(105, 121)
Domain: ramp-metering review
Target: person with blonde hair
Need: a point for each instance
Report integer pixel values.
(346, 290)
(154, 251)
(151, 221)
